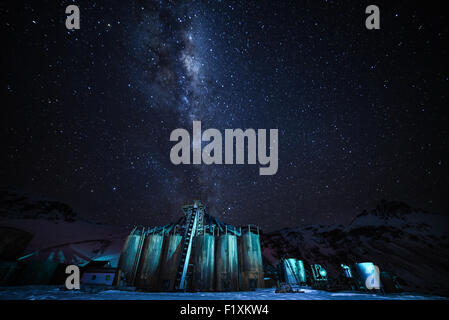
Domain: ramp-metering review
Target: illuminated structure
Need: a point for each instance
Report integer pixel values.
(366, 276)
(293, 271)
(198, 253)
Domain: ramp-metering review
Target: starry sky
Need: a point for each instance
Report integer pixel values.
(87, 114)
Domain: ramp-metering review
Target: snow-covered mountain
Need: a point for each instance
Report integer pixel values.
(50, 230)
(14, 206)
(413, 244)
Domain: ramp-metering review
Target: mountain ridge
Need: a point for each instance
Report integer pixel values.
(411, 243)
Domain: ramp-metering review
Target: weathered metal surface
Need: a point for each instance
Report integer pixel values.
(294, 271)
(148, 272)
(170, 262)
(368, 275)
(227, 263)
(203, 261)
(251, 266)
(197, 252)
(129, 257)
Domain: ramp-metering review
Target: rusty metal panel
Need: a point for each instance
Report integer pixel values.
(170, 262)
(128, 258)
(294, 271)
(203, 261)
(251, 266)
(227, 272)
(148, 272)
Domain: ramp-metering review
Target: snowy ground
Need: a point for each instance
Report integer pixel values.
(54, 292)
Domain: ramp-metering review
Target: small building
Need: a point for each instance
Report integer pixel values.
(98, 273)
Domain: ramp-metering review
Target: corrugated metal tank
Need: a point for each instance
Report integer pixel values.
(149, 266)
(251, 266)
(203, 261)
(369, 275)
(294, 271)
(227, 275)
(127, 265)
(170, 261)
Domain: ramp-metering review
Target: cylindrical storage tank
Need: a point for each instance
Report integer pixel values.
(203, 262)
(129, 257)
(294, 271)
(369, 275)
(251, 266)
(150, 260)
(227, 277)
(170, 261)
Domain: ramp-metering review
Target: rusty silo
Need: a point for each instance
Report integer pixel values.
(170, 261)
(148, 272)
(203, 262)
(129, 258)
(251, 266)
(198, 253)
(294, 271)
(227, 277)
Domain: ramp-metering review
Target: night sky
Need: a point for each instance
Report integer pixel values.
(87, 114)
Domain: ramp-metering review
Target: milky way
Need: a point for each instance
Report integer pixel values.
(87, 114)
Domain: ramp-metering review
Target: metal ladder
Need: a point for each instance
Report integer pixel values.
(180, 283)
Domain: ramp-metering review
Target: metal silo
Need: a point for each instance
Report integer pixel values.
(148, 272)
(170, 261)
(294, 271)
(129, 258)
(227, 263)
(368, 275)
(203, 261)
(251, 266)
